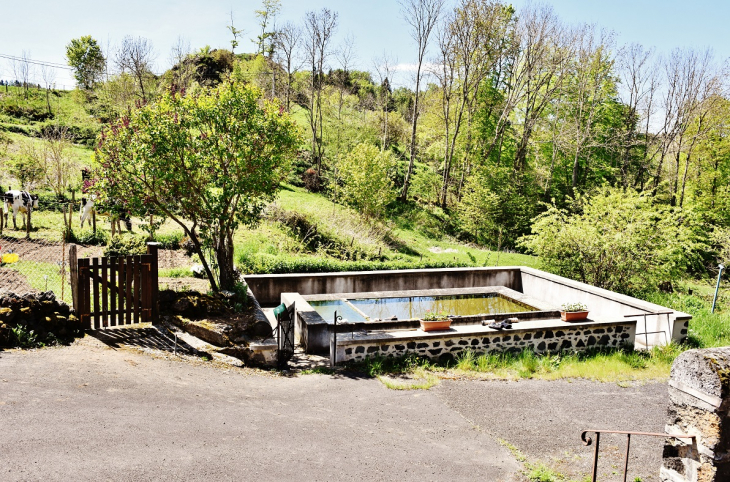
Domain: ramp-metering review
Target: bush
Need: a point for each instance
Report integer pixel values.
(620, 241)
(126, 245)
(89, 237)
(170, 241)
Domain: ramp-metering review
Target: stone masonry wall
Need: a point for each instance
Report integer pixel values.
(699, 405)
(436, 345)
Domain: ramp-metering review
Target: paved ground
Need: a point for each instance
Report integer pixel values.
(544, 419)
(93, 412)
(89, 412)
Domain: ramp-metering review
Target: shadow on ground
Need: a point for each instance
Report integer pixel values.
(154, 338)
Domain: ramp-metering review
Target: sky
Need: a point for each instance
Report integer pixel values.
(43, 28)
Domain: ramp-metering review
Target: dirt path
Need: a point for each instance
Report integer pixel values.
(89, 412)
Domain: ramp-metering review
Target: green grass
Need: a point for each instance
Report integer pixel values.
(35, 272)
(707, 329)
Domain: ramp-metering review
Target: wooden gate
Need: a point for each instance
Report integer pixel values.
(115, 291)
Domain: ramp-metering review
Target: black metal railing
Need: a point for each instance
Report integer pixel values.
(588, 441)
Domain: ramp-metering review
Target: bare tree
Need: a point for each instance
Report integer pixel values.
(23, 71)
(136, 56)
(59, 167)
(639, 82)
(49, 77)
(183, 72)
(320, 27)
(385, 68)
(422, 16)
(689, 78)
(288, 40)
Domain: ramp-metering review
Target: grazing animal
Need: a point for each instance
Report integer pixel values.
(19, 201)
(87, 206)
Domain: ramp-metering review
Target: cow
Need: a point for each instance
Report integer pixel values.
(19, 201)
(87, 206)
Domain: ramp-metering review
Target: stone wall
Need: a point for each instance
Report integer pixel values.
(48, 318)
(699, 405)
(445, 344)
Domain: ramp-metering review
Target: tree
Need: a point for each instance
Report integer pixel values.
(235, 32)
(320, 27)
(84, 55)
(367, 185)
(422, 16)
(136, 56)
(288, 39)
(210, 162)
(266, 39)
(59, 167)
(23, 70)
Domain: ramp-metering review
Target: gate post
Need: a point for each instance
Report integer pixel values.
(73, 265)
(152, 248)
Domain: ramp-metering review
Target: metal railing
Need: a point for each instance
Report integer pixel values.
(667, 334)
(588, 441)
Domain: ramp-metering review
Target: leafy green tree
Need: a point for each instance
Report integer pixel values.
(621, 241)
(210, 162)
(367, 186)
(87, 60)
(479, 210)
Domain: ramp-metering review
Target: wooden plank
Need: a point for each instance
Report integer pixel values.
(120, 291)
(146, 293)
(112, 292)
(104, 292)
(128, 287)
(137, 293)
(95, 271)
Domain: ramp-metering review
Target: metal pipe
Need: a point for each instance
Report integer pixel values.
(626, 462)
(717, 287)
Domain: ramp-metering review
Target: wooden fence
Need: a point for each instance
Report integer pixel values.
(115, 291)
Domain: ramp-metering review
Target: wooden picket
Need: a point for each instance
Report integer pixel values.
(115, 291)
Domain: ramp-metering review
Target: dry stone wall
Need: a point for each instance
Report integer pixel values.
(436, 345)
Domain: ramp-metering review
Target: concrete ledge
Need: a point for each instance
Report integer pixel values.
(541, 336)
(268, 288)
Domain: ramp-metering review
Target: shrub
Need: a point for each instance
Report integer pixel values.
(170, 241)
(89, 237)
(126, 245)
(620, 241)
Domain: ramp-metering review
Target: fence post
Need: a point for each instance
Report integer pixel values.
(27, 224)
(153, 248)
(93, 219)
(74, 270)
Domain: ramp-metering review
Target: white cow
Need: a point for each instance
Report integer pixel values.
(87, 206)
(19, 201)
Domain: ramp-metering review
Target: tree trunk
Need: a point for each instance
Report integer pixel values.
(224, 256)
(409, 172)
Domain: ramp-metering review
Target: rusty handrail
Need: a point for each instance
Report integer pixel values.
(588, 441)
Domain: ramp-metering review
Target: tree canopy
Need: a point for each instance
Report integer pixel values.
(87, 60)
(210, 162)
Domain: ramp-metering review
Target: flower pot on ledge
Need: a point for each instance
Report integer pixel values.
(573, 315)
(435, 325)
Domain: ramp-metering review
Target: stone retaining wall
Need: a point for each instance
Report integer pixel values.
(48, 318)
(560, 336)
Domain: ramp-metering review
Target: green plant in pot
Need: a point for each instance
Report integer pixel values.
(435, 320)
(573, 312)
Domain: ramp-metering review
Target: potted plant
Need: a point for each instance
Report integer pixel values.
(573, 312)
(435, 320)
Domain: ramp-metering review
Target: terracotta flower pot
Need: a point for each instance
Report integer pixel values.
(573, 315)
(435, 325)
